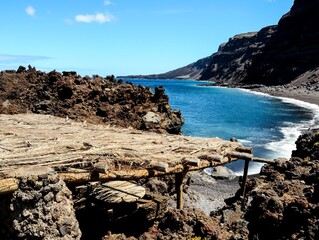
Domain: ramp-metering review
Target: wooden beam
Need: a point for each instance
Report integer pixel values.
(191, 162)
(179, 177)
(160, 166)
(218, 157)
(8, 185)
(101, 167)
(244, 149)
(241, 155)
(263, 160)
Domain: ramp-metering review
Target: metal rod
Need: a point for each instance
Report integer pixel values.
(245, 176)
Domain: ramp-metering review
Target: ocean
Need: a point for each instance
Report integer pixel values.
(270, 125)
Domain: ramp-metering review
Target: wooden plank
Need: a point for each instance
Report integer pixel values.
(118, 192)
(8, 185)
(241, 155)
(244, 149)
(191, 162)
(101, 167)
(263, 160)
(160, 166)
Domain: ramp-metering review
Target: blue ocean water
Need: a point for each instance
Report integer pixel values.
(270, 125)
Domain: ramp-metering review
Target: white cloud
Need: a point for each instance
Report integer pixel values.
(30, 11)
(107, 2)
(89, 18)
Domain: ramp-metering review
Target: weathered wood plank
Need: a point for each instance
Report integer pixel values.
(8, 185)
(118, 192)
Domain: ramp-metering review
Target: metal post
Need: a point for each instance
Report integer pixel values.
(245, 176)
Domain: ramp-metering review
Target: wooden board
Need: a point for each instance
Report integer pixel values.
(44, 140)
(118, 192)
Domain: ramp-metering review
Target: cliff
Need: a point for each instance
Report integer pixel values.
(233, 59)
(292, 50)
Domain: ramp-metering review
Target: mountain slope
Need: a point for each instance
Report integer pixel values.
(292, 50)
(191, 71)
(233, 59)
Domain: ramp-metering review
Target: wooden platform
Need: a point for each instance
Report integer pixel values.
(82, 153)
(43, 140)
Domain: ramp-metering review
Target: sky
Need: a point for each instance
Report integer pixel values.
(124, 37)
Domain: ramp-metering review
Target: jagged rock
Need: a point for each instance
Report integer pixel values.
(233, 59)
(98, 100)
(282, 203)
(307, 145)
(42, 208)
(151, 117)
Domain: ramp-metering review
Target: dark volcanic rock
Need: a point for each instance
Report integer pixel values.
(233, 59)
(308, 145)
(293, 48)
(98, 100)
(283, 203)
(42, 208)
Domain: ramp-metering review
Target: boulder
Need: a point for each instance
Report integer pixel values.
(221, 172)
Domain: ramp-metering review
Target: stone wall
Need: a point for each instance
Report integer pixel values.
(42, 208)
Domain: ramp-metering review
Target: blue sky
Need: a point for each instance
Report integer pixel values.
(124, 37)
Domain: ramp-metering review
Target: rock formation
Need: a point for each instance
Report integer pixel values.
(96, 100)
(42, 208)
(233, 59)
(283, 203)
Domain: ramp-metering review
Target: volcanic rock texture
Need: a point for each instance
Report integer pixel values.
(98, 100)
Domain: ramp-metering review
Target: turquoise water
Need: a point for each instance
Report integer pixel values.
(270, 125)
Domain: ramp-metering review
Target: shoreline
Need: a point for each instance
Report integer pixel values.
(300, 94)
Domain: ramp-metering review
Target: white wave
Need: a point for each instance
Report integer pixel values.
(254, 168)
(254, 92)
(244, 141)
(291, 131)
(311, 106)
(285, 146)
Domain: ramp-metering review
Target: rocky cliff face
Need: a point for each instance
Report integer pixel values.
(98, 100)
(233, 59)
(292, 50)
